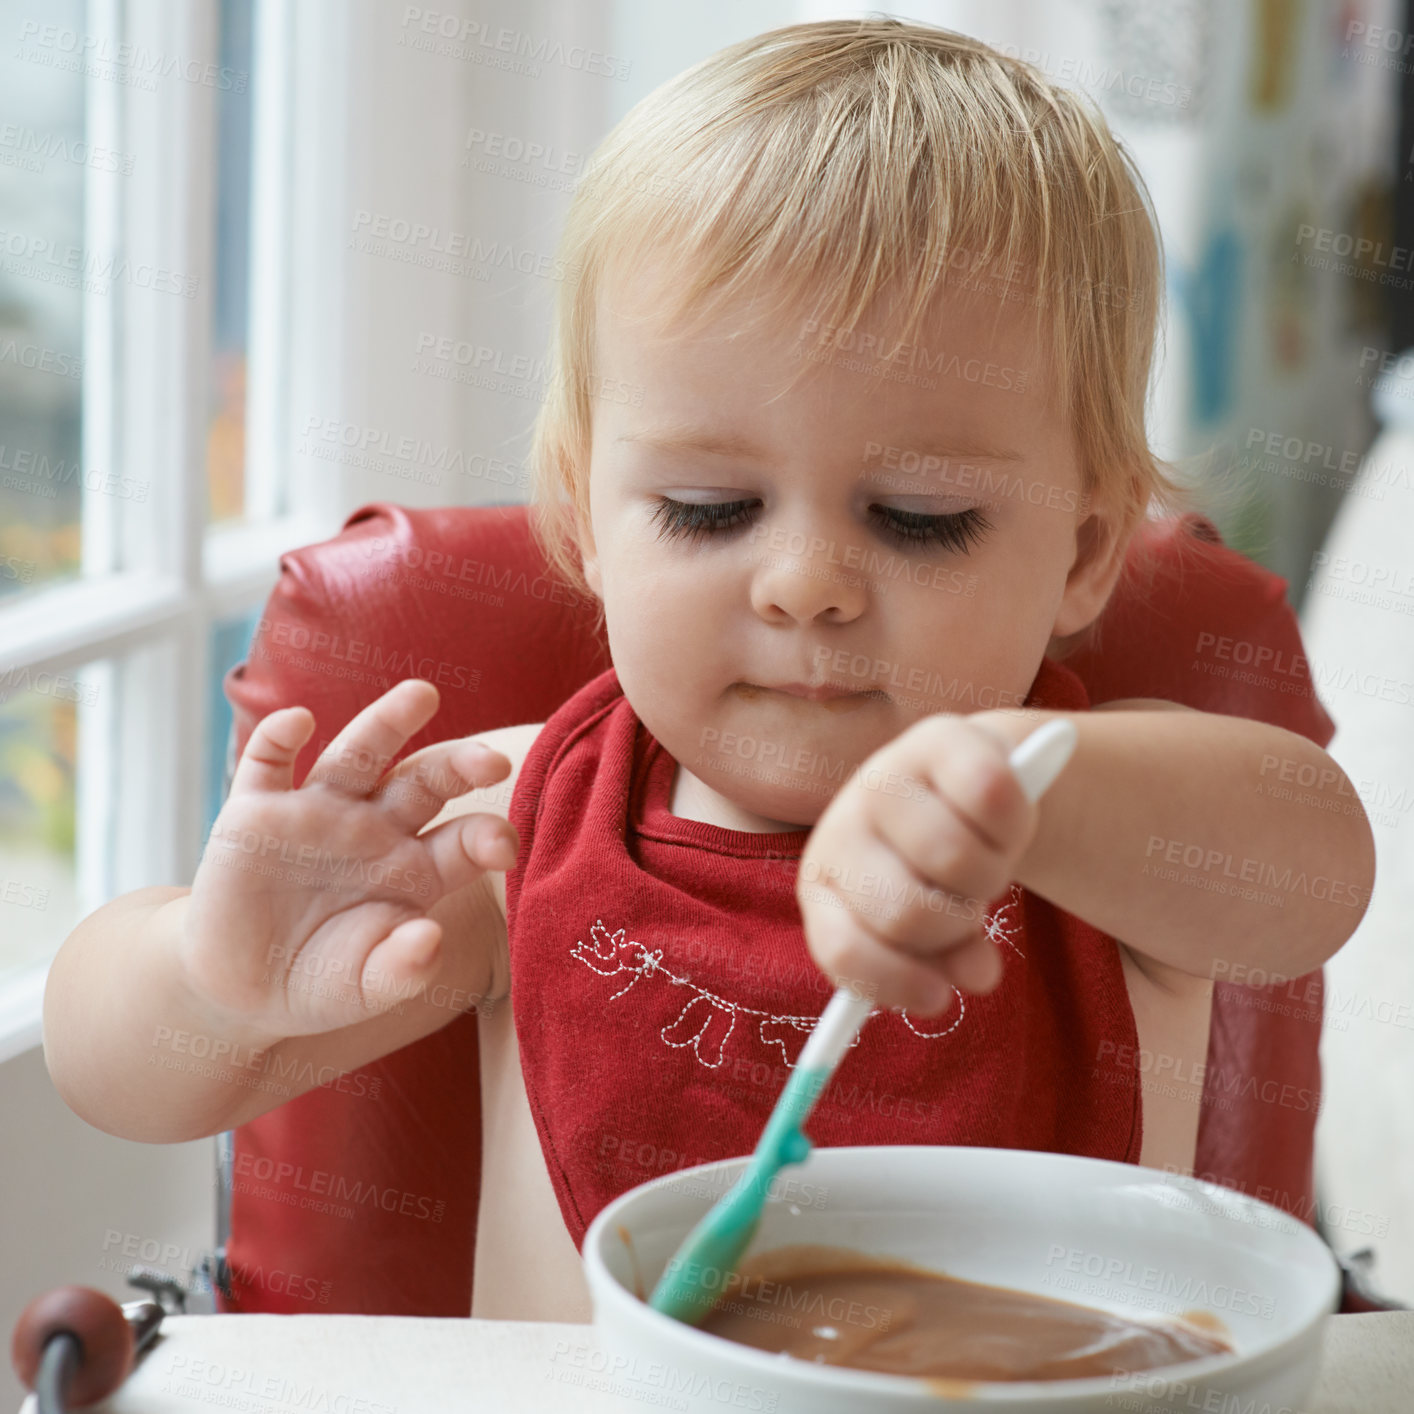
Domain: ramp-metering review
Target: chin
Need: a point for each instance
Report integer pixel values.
(795, 808)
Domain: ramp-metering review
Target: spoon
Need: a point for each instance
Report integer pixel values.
(698, 1271)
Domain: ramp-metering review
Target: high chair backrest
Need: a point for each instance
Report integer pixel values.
(361, 1195)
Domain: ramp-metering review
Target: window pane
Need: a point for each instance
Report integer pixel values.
(43, 160)
(225, 436)
(38, 891)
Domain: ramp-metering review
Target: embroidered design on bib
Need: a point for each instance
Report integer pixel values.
(707, 1022)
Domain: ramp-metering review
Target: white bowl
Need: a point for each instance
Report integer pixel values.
(1115, 1236)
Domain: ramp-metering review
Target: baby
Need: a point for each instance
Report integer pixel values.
(845, 433)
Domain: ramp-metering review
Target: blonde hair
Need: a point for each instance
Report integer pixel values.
(818, 163)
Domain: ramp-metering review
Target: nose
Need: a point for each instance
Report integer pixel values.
(803, 575)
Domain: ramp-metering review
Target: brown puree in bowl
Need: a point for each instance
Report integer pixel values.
(839, 1307)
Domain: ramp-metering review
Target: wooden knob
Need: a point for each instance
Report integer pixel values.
(96, 1321)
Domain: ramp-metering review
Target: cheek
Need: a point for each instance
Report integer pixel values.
(645, 565)
(657, 603)
(1014, 573)
(976, 620)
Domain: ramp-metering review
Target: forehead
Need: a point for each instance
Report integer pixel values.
(973, 359)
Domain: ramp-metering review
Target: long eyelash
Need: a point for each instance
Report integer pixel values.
(955, 532)
(688, 520)
(692, 520)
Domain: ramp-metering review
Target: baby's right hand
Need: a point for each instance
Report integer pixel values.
(308, 911)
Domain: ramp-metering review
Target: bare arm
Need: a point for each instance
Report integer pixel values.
(133, 1052)
(165, 1023)
(1169, 831)
(118, 972)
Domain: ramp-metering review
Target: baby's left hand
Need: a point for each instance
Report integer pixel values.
(896, 875)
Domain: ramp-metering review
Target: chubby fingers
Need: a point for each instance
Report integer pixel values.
(951, 844)
(268, 761)
(893, 901)
(893, 886)
(878, 924)
(969, 768)
(414, 792)
(469, 846)
(852, 955)
(358, 756)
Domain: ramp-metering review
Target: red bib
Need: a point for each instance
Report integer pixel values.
(662, 988)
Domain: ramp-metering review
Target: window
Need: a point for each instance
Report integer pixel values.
(43, 165)
(230, 290)
(144, 487)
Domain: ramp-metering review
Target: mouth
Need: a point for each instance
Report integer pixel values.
(834, 697)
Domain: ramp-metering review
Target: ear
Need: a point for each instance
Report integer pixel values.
(1101, 542)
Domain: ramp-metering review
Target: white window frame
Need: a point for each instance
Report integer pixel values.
(340, 139)
(136, 626)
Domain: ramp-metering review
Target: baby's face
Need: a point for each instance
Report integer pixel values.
(913, 540)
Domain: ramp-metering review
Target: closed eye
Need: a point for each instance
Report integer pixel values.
(690, 520)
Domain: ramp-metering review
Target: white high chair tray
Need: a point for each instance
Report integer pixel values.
(381, 1364)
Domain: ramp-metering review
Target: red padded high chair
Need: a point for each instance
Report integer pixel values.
(461, 596)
